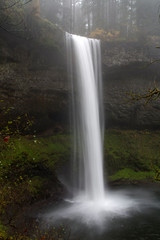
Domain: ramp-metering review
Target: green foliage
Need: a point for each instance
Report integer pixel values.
(156, 173)
(30, 156)
(36, 232)
(45, 33)
(12, 17)
(13, 124)
(28, 165)
(101, 34)
(3, 232)
(130, 174)
(136, 150)
(27, 172)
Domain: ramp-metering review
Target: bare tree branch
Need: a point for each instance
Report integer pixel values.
(15, 35)
(10, 6)
(4, 29)
(15, 3)
(150, 95)
(157, 60)
(27, 2)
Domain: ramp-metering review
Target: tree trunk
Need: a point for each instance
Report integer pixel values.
(36, 7)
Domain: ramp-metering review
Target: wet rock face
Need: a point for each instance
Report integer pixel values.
(126, 68)
(43, 94)
(118, 54)
(120, 113)
(33, 79)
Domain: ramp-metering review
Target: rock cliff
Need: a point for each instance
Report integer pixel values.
(33, 75)
(33, 79)
(126, 67)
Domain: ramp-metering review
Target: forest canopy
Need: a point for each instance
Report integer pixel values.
(133, 19)
(122, 19)
(14, 15)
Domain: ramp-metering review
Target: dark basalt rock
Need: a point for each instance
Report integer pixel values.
(33, 79)
(126, 67)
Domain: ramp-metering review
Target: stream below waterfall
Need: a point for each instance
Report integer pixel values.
(139, 221)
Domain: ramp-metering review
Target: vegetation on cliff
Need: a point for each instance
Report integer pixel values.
(28, 174)
(131, 154)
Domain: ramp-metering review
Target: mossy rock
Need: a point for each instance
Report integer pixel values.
(129, 174)
(3, 232)
(47, 34)
(136, 150)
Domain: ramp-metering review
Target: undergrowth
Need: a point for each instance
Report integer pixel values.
(28, 174)
(28, 166)
(135, 150)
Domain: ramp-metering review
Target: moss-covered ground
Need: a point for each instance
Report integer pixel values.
(28, 168)
(131, 154)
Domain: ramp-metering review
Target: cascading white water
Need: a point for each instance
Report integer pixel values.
(85, 61)
(90, 205)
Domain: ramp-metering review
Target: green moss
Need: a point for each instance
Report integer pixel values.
(28, 171)
(52, 150)
(28, 164)
(130, 174)
(36, 185)
(3, 232)
(29, 157)
(49, 35)
(32, 156)
(137, 150)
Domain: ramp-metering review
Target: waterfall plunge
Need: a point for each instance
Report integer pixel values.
(90, 205)
(84, 56)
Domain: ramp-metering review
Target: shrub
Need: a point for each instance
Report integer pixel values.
(101, 34)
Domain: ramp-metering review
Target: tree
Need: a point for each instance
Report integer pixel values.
(36, 7)
(12, 15)
(134, 19)
(147, 18)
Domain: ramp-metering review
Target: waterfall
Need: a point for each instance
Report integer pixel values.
(84, 57)
(90, 204)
